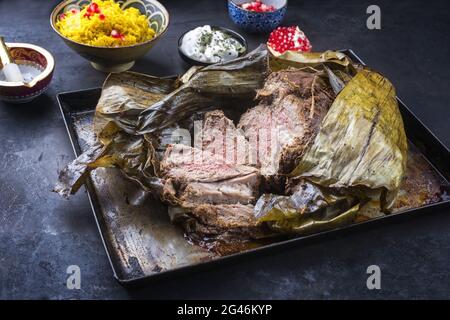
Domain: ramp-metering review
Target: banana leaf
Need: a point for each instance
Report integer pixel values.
(125, 95)
(316, 60)
(134, 155)
(311, 209)
(307, 198)
(358, 155)
(73, 176)
(362, 142)
(134, 109)
(303, 225)
(222, 85)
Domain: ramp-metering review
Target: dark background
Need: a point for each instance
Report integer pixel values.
(41, 234)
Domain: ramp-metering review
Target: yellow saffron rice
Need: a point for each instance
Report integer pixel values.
(110, 26)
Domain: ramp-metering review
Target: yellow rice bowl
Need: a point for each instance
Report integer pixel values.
(110, 26)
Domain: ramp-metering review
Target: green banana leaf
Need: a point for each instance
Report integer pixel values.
(314, 223)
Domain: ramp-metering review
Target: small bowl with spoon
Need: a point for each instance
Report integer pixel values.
(25, 71)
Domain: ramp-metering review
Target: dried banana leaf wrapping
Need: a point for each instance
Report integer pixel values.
(334, 59)
(123, 98)
(222, 85)
(359, 153)
(125, 95)
(310, 208)
(361, 142)
(134, 109)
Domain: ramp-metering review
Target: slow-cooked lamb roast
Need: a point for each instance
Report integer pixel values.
(209, 197)
(276, 164)
(213, 186)
(219, 136)
(194, 176)
(291, 106)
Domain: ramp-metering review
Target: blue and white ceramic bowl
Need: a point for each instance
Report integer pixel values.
(257, 22)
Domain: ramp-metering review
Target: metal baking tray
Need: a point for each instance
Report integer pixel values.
(140, 241)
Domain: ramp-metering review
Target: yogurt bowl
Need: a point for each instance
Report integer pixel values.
(184, 42)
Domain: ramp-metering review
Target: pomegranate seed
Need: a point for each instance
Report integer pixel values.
(257, 6)
(93, 9)
(282, 40)
(74, 11)
(62, 16)
(93, 6)
(101, 16)
(115, 33)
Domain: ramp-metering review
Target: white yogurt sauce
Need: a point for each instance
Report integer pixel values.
(207, 45)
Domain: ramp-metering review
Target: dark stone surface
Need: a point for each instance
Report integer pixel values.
(41, 234)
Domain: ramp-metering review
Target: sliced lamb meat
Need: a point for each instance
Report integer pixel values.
(193, 176)
(242, 189)
(215, 199)
(229, 222)
(216, 128)
(190, 193)
(212, 187)
(292, 106)
(225, 216)
(282, 83)
(187, 163)
(219, 136)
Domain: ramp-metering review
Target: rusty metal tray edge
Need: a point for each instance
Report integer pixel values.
(435, 152)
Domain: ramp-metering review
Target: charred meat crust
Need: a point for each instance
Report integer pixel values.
(291, 107)
(217, 192)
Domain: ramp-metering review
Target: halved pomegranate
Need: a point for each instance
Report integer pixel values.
(283, 39)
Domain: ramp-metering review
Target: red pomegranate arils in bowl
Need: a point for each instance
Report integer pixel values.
(258, 6)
